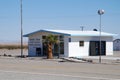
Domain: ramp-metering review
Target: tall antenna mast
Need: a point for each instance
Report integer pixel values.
(82, 28)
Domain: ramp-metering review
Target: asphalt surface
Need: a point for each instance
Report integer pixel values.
(43, 69)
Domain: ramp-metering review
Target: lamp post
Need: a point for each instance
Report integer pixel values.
(21, 28)
(100, 12)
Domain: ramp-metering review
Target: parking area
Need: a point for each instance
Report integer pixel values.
(43, 69)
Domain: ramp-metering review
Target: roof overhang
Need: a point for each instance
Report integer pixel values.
(72, 33)
(52, 32)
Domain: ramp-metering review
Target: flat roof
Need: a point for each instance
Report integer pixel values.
(73, 33)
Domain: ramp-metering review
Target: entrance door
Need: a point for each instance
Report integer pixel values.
(38, 51)
(95, 48)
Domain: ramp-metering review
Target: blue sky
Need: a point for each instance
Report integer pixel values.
(57, 14)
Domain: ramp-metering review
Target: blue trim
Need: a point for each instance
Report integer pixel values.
(27, 35)
(67, 34)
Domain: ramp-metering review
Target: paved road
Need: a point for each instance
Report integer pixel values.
(24, 69)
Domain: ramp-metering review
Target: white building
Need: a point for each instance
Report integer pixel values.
(116, 45)
(72, 43)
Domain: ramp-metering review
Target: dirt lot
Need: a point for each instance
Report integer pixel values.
(17, 52)
(12, 68)
(117, 53)
(43, 69)
(13, 52)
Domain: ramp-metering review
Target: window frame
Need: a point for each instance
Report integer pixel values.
(81, 43)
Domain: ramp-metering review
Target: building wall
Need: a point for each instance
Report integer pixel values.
(66, 46)
(109, 48)
(33, 43)
(74, 50)
(116, 45)
(71, 47)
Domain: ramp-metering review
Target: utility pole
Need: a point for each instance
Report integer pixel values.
(21, 28)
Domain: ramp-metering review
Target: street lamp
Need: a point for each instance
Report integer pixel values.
(100, 12)
(21, 28)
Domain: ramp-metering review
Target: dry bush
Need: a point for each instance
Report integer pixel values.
(13, 47)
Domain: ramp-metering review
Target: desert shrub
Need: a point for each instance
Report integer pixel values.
(10, 47)
(5, 55)
(9, 55)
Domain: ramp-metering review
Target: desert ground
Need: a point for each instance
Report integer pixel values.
(12, 68)
(13, 52)
(16, 52)
(117, 53)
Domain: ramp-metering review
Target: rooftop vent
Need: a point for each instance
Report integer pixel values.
(95, 30)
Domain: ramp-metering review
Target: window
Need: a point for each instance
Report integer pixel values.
(37, 39)
(61, 37)
(69, 39)
(81, 43)
(44, 37)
